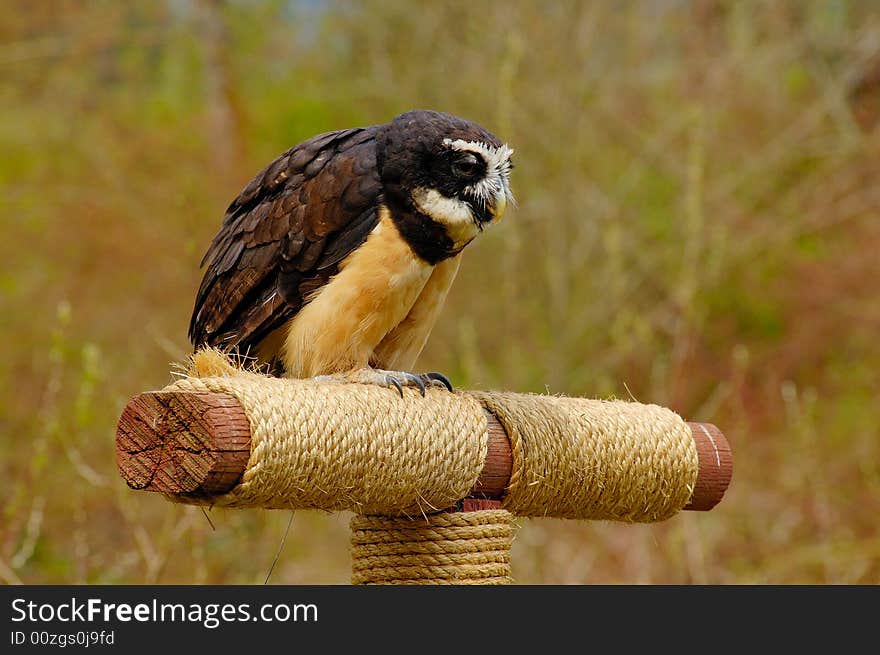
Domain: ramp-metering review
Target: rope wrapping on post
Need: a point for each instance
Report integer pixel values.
(226, 436)
(462, 548)
(589, 459)
(331, 446)
(324, 446)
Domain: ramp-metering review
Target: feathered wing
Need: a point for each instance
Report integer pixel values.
(284, 236)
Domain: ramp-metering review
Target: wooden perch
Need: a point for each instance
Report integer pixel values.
(197, 444)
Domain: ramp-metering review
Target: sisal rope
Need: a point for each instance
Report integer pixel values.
(362, 448)
(320, 445)
(462, 548)
(594, 459)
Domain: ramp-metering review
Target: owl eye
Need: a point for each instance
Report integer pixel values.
(467, 165)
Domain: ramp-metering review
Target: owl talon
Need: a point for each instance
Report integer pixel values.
(417, 381)
(435, 378)
(392, 381)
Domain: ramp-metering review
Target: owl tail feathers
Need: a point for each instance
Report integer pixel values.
(210, 362)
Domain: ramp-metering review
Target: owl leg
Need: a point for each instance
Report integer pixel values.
(390, 379)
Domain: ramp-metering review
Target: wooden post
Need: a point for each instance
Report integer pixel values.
(197, 444)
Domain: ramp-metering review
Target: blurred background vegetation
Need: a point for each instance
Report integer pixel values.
(698, 226)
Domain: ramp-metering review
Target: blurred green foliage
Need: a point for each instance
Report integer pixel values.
(698, 226)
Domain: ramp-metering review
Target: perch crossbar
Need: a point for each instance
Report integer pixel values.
(434, 482)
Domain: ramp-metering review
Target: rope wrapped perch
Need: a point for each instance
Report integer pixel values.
(228, 437)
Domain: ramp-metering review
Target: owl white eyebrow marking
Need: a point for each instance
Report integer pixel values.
(497, 159)
(497, 168)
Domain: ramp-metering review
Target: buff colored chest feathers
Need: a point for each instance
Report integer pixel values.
(378, 310)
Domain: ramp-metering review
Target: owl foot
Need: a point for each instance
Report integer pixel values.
(389, 379)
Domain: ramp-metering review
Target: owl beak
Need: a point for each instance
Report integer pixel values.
(497, 206)
(500, 199)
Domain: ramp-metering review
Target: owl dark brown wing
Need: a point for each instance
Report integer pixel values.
(284, 236)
